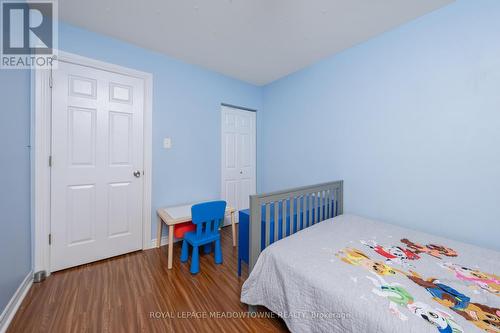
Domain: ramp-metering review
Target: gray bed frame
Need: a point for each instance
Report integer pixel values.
(326, 199)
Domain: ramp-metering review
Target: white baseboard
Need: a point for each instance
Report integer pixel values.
(164, 241)
(14, 303)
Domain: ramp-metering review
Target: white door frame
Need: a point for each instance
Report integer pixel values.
(41, 81)
(222, 173)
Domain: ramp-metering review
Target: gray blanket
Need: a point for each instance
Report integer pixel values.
(350, 274)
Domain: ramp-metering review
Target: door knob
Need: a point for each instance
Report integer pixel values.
(137, 173)
(241, 172)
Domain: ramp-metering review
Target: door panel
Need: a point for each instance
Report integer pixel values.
(246, 187)
(245, 150)
(81, 206)
(97, 144)
(232, 192)
(120, 136)
(238, 156)
(82, 86)
(118, 218)
(81, 136)
(120, 93)
(231, 156)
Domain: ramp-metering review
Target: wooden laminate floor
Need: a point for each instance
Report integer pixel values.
(137, 293)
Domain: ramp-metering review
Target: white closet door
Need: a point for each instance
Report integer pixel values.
(97, 154)
(238, 156)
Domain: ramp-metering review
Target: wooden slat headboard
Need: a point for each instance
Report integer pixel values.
(276, 215)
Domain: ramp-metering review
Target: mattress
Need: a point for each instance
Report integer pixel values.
(351, 274)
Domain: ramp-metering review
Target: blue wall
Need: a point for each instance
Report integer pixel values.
(410, 120)
(186, 107)
(15, 226)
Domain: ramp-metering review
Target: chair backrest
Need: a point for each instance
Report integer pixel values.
(208, 216)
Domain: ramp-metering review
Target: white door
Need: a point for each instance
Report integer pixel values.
(238, 157)
(97, 163)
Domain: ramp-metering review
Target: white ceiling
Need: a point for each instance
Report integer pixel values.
(257, 41)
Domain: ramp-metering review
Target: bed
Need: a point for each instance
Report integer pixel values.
(345, 273)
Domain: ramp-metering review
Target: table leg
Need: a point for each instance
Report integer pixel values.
(170, 245)
(233, 226)
(159, 231)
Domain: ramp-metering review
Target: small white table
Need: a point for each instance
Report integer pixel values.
(181, 214)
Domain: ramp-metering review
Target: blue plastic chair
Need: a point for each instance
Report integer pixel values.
(207, 217)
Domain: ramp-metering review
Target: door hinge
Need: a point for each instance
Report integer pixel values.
(50, 161)
(50, 239)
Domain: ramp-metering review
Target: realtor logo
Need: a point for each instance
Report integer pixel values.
(29, 33)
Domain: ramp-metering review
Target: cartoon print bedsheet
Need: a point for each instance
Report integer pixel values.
(351, 274)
